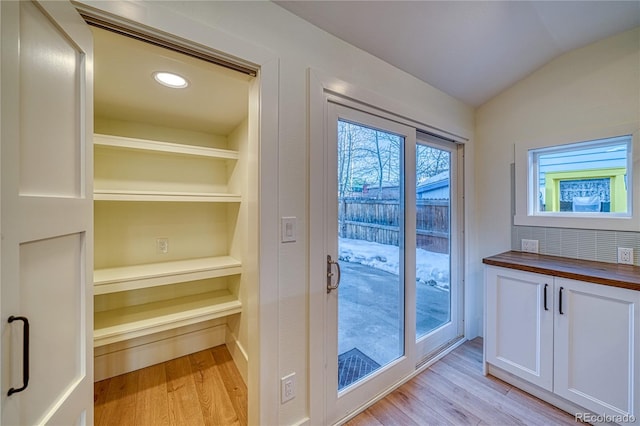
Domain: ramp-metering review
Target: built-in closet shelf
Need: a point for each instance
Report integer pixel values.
(141, 320)
(112, 280)
(189, 197)
(156, 146)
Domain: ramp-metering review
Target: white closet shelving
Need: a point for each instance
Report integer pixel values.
(126, 195)
(111, 280)
(198, 275)
(173, 148)
(175, 211)
(140, 320)
(120, 177)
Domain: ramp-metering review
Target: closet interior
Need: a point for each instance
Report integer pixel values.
(171, 214)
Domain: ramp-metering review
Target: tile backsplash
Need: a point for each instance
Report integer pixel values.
(587, 244)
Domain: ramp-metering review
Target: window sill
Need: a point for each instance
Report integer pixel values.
(610, 223)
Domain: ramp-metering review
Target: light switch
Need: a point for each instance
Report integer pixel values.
(288, 229)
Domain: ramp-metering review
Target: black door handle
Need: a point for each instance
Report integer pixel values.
(25, 354)
(560, 301)
(545, 297)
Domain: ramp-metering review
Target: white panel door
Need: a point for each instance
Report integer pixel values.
(519, 335)
(596, 347)
(46, 215)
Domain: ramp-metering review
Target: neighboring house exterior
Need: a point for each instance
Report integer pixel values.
(592, 179)
(434, 188)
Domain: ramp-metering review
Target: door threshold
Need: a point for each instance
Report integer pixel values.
(439, 352)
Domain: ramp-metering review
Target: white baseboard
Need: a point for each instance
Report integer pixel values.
(238, 353)
(113, 360)
(303, 422)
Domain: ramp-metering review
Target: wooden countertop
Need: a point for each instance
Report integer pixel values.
(612, 274)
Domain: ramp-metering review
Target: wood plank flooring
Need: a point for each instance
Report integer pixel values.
(204, 388)
(453, 391)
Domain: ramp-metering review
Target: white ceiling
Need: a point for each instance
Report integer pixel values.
(216, 100)
(471, 50)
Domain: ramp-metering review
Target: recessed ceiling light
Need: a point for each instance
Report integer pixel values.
(170, 80)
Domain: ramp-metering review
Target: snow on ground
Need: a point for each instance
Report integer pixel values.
(432, 269)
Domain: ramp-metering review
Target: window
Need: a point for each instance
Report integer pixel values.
(586, 178)
(582, 185)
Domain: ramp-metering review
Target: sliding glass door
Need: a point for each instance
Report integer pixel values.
(391, 265)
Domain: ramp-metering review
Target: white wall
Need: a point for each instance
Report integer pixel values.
(298, 46)
(590, 89)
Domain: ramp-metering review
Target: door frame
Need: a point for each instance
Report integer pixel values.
(262, 268)
(322, 87)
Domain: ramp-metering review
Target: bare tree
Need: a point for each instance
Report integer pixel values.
(345, 149)
(371, 157)
(431, 162)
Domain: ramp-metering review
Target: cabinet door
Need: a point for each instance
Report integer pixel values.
(519, 334)
(596, 348)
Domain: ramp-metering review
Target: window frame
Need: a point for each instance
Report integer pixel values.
(527, 184)
(534, 182)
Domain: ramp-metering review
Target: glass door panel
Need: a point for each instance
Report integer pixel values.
(433, 217)
(371, 296)
(368, 340)
(392, 236)
(438, 240)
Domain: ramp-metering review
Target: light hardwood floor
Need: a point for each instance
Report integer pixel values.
(204, 388)
(187, 391)
(453, 391)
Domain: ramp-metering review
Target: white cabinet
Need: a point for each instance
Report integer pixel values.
(581, 345)
(519, 337)
(597, 347)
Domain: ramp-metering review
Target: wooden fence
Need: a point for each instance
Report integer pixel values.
(377, 221)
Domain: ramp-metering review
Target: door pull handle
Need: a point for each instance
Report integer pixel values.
(545, 297)
(560, 301)
(25, 354)
(330, 263)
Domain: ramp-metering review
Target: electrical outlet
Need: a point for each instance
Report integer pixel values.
(530, 246)
(288, 387)
(162, 245)
(625, 255)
